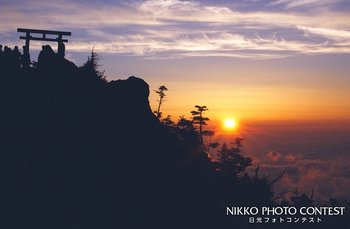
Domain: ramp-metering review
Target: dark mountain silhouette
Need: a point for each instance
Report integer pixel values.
(80, 152)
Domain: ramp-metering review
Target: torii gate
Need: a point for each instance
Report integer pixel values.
(28, 37)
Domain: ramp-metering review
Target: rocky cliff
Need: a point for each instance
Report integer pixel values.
(80, 152)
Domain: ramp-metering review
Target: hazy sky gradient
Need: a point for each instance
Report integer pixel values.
(274, 65)
(249, 59)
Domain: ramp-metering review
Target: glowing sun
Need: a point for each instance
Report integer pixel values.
(230, 123)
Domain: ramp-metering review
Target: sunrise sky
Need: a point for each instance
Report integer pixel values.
(279, 68)
(249, 60)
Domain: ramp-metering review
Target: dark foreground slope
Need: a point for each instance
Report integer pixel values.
(80, 152)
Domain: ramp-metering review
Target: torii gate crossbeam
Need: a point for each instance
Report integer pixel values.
(43, 33)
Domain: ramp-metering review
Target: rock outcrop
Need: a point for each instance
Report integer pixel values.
(79, 151)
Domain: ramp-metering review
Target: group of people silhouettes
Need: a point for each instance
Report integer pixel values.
(13, 58)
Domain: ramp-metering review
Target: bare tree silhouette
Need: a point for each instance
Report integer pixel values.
(200, 120)
(161, 92)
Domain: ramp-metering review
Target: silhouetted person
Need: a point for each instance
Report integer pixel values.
(16, 55)
(61, 49)
(7, 51)
(1, 54)
(42, 54)
(25, 57)
(46, 56)
(7, 57)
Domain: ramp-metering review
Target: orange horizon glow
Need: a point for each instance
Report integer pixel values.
(256, 103)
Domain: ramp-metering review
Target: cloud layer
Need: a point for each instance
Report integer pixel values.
(174, 28)
(314, 159)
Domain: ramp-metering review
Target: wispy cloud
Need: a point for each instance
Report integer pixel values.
(303, 3)
(333, 34)
(174, 28)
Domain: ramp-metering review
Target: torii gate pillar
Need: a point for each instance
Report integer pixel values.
(59, 39)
